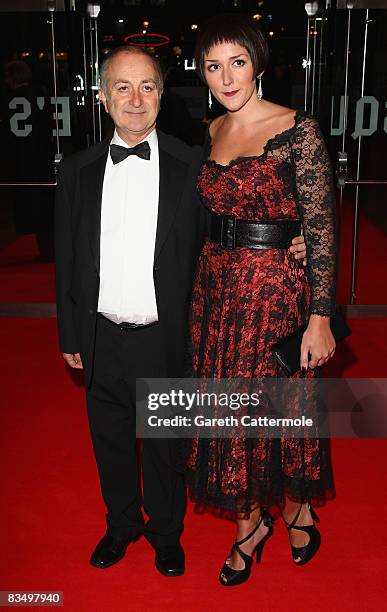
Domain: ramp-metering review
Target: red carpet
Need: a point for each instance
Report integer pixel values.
(371, 285)
(22, 277)
(52, 515)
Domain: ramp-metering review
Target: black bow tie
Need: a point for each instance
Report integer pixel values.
(119, 153)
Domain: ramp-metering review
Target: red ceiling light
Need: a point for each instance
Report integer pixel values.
(147, 40)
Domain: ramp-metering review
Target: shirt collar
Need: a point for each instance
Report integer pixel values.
(151, 138)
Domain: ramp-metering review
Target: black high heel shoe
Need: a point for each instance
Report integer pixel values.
(305, 553)
(231, 577)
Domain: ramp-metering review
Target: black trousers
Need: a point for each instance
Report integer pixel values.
(121, 357)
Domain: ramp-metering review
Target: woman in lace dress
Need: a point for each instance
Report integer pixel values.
(264, 162)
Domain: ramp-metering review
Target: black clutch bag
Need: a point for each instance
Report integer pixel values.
(287, 351)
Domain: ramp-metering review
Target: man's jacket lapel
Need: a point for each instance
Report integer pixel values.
(92, 176)
(173, 174)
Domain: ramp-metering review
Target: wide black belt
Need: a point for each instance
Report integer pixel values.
(229, 232)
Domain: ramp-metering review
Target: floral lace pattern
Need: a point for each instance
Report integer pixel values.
(244, 300)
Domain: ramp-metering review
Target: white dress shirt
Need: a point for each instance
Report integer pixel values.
(130, 198)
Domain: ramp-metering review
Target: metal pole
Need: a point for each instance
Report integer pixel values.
(84, 53)
(366, 182)
(31, 184)
(53, 51)
(341, 198)
(92, 72)
(314, 64)
(307, 66)
(320, 71)
(97, 75)
(86, 97)
(346, 80)
(356, 212)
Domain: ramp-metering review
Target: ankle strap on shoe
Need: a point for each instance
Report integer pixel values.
(294, 521)
(267, 521)
(292, 525)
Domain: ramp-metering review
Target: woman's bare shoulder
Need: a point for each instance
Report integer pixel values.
(280, 113)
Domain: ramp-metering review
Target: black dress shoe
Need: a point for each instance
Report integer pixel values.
(170, 560)
(109, 551)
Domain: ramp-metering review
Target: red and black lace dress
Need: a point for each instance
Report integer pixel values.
(244, 300)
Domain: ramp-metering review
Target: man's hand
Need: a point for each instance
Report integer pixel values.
(73, 360)
(299, 249)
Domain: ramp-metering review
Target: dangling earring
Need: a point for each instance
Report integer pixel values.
(259, 92)
(209, 99)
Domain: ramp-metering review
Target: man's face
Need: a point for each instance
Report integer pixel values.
(131, 95)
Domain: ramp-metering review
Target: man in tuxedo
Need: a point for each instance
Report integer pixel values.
(129, 229)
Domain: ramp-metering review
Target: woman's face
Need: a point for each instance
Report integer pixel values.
(230, 75)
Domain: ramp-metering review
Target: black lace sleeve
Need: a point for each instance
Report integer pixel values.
(317, 208)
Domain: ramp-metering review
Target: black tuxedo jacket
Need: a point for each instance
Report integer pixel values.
(181, 227)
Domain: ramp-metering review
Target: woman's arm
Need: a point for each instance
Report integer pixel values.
(316, 202)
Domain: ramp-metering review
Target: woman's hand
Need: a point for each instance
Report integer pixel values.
(317, 340)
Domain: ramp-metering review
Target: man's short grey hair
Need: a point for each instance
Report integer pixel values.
(127, 49)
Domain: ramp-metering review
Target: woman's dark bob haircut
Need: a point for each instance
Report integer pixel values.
(232, 28)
